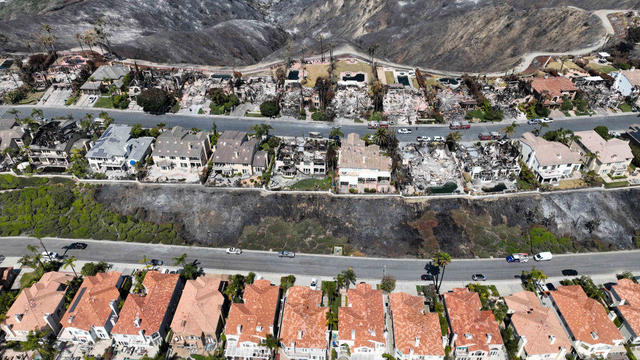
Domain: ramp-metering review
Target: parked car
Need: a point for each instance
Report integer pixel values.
(156, 262)
(423, 139)
(478, 277)
(314, 284)
(550, 287)
(76, 245)
(520, 257)
(234, 251)
(570, 272)
(49, 255)
(543, 256)
(426, 277)
(285, 253)
(459, 126)
(497, 136)
(438, 139)
(546, 120)
(485, 136)
(373, 125)
(533, 121)
(404, 131)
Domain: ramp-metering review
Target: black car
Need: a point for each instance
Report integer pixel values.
(426, 277)
(76, 245)
(156, 262)
(570, 272)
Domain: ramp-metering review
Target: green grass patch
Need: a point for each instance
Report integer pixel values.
(566, 113)
(29, 279)
(9, 182)
(601, 68)
(624, 107)
(616, 184)
(104, 102)
(253, 114)
(312, 184)
(388, 75)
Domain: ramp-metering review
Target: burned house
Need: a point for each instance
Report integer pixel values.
(491, 162)
(300, 156)
(350, 102)
(402, 104)
(430, 165)
(53, 142)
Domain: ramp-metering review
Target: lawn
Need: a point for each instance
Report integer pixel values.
(312, 184)
(32, 98)
(616, 184)
(625, 107)
(388, 75)
(556, 65)
(343, 66)
(314, 71)
(570, 184)
(601, 68)
(253, 114)
(104, 102)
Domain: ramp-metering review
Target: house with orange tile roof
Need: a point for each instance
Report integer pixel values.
(626, 299)
(38, 307)
(475, 332)
(94, 310)
(304, 333)
(416, 332)
(591, 331)
(361, 330)
(198, 319)
(251, 321)
(144, 319)
(552, 90)
(538, 330)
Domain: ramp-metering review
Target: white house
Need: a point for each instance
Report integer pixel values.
(363, 168)
(116, 150)
(626, 82)
(550, 161)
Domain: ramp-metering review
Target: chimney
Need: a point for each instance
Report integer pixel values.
(239, 329)
(489, 337)
(552, 339)
(18, 317)
(113, 306)
(417, 341)
(299, 334)
(353, 334)
(71, 319)
(9, 330)
(136, 322)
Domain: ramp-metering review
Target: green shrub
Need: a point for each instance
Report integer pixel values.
(444, 189)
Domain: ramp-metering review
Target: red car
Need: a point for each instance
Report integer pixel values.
(459, 126)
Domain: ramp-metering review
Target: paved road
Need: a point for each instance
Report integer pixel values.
(298, 128)
(319, 265)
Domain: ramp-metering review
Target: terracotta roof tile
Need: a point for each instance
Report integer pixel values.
(554, 86)
(364, 317)
(476, 329)
(304, 321)
(151, 308)
(415, 331)
(200, 307)
(586, 317)
(538, 324)
(629, 291)
(256, 315)
(33, 302)
(91, 305)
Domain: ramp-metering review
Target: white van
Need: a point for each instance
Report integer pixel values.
(543, 256)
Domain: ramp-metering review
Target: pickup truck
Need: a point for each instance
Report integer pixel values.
(520, 257)
(459, 126)
(485, 136)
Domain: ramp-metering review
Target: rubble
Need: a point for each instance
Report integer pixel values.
(350, 102)
(489, 163)
(430, 165)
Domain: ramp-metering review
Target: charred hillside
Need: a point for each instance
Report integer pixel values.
(395, 227)
(462, 35)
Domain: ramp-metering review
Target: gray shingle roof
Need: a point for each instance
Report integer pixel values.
(115, 142)
(233, 149)
(113, 72)
(180, 142)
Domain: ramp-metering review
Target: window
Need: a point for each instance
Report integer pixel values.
(183, 165)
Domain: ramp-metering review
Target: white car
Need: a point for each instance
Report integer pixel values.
(423, 139)
(234, 251)
(314, 284)
(404, 131)
(543, 256)
(49, 255)
(546, 121)
(438, 138)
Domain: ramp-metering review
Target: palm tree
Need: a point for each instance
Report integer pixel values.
(37, 113)
(80, 40)
(440, 259)
(146, 261)
(70, 262)
(381, 137)
(346, 278)
(372, 51)
(180, 260)
(15, 113)
(270, 342)
(510, 129)
(261, 130)
(332, 320)
(321, 39)
(335, 132)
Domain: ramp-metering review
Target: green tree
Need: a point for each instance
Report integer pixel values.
(335, 132)
(346, 278)
(453, 139)
(388, 283)
(603, 131)
(155, 101)
(510, 129)
(260, 130)
(251, 276)
(92, 269)
(180, 260)
(270, 342)
(137, 131)
(269, 108)
(440, 259)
